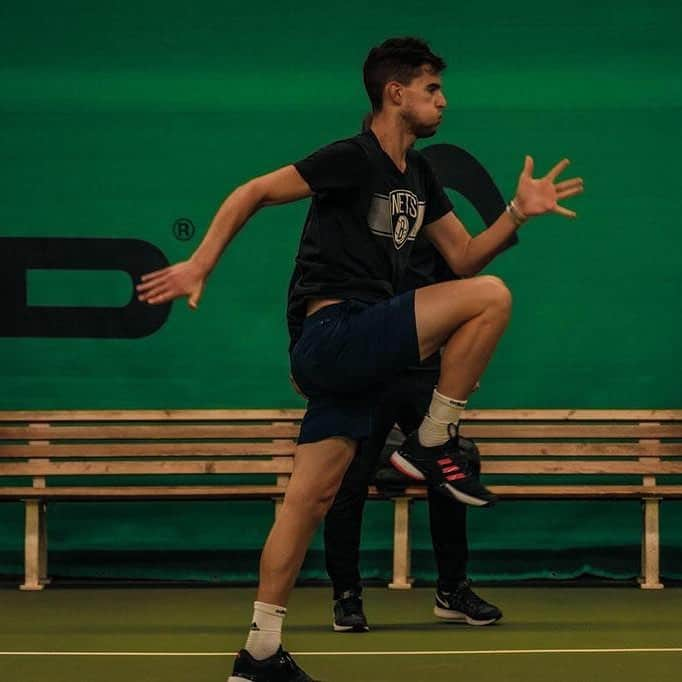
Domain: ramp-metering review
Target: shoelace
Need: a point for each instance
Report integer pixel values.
(289, 662)
(468, 596)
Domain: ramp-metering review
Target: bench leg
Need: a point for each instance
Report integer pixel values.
(42, 521)
(650, 545)
(401, 545)
(32, 546)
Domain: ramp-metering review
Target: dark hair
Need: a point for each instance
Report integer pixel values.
(396, 59)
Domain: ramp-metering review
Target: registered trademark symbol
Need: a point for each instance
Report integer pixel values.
(183, 229)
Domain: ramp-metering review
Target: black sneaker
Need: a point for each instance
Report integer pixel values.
(348, 613)
(280, 667)
(465, 606)
(446, 468)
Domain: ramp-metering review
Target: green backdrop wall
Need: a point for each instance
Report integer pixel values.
(118, 120)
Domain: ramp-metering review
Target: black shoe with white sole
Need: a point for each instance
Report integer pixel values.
(446, 468)
(348, 613)
(463, 605)
(280, 667)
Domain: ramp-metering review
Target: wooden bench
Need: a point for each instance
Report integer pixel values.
(517, 446)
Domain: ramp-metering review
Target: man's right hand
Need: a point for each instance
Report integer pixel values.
(182, 279)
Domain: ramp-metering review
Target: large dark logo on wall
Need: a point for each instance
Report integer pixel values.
(458, 170)
(455, 168)
(132, 256)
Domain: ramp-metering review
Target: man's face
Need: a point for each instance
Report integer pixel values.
(423, 103)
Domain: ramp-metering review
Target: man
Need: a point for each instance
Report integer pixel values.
(403, 402)
(372, 194)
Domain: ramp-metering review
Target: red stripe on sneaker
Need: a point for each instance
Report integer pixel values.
(445, 460)
(449, 470)
(455, 477)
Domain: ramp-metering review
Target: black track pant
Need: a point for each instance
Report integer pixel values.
(405, 402)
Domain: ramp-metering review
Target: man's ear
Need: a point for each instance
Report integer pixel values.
(394, 91)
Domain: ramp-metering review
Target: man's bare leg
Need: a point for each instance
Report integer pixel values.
(468, 317)
(318, 471)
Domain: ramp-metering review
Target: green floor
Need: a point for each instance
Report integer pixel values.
(214, 621)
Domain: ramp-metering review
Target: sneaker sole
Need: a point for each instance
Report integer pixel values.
(405, 468)
(468, 499)
(350, 628)
(408, 469)
(459, 617)
(232, 678)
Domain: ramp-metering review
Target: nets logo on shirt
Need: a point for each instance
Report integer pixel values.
(399, 216)
(404, 212)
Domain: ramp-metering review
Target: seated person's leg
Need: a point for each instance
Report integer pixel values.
(343, 523)
(455, 600)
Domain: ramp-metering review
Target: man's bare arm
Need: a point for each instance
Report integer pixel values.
(188, 277)
(467, 255)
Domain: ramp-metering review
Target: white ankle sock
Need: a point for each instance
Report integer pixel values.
(443, 411)
(265, 635)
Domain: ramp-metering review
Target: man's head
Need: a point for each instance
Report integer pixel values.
(404, 75)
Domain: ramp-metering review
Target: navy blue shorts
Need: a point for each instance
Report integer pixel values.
(346, 353)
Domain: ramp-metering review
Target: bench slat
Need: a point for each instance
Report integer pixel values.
(285, 430)
(143, 492)
(531, 492)
(573, 415)
(285, 465)
(282, 447)
(297, 414)
(531, 467)
(564, 431)
(148, 415)
(585, 492)
(47, 468)
(236, 491)
(149, 432)
(276, 448)
(627, 449)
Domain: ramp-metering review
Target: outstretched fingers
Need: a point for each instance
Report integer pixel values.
(557, 170)
(566, 190)
(154, 275)
(153, 285)
(163, 286)
(158, 297)
(156, 287)
(564, 211)
(148, 285)
(568, 184)
(570, 188)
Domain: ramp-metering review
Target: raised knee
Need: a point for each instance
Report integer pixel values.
(498, 292)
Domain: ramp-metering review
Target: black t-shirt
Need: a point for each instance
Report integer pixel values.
(363, 221)
(426, 267)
